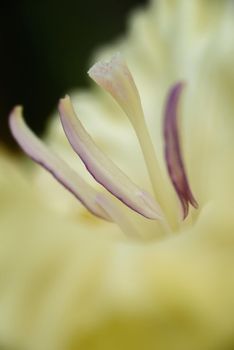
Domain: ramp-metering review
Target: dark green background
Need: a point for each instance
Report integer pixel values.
(45, 46)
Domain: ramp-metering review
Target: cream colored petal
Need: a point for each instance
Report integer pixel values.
(69, 288)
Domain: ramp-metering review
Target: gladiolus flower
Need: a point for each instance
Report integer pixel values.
(148, 263)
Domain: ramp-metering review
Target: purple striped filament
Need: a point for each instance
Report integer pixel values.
(173, 155)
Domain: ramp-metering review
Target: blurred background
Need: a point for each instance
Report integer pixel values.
(45, 46)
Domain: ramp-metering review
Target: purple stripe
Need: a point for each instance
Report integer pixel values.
(173, 155)
(71, 126)
(108, 186)
(39, 153)
(63, 183)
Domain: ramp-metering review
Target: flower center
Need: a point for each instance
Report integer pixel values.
(122, 196)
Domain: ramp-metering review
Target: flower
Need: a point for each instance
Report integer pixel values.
(171, 288)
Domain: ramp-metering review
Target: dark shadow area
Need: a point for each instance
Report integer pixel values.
(44, 50)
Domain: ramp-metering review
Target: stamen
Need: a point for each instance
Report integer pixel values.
(118, 215)
(42, 155)
(115, 78)
(173, 156)
(101, 167)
